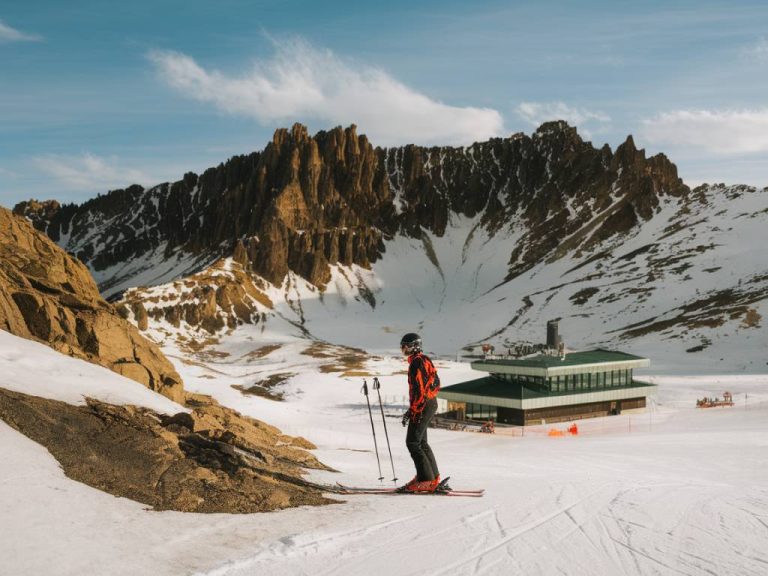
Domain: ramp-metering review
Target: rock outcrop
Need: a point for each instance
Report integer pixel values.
(209, 460)
(221, 297)
(50, 296)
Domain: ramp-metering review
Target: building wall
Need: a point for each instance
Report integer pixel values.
(579, 411)
(546, 415)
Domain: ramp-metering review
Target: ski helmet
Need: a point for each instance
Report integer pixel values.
(411, 343)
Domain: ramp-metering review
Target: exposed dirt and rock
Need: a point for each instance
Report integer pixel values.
(210, 460)
(50, 296)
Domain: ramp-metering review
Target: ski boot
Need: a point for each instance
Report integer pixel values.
(424, 486)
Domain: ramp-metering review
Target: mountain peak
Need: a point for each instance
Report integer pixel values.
(554, 126)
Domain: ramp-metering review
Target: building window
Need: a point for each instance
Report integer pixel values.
(480, 411)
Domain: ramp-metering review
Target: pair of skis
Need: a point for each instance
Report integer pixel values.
(442, 490)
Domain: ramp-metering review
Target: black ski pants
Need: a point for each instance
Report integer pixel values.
(416, 441)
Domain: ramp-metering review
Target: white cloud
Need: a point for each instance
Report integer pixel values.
(301, 83)
(8, 34)
(757, 51)
(723, 132)
(89, 173)
(536, 113)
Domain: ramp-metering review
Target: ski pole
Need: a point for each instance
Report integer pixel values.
(377, 387)
(370, 413)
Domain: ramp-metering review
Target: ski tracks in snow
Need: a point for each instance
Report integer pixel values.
(542, 530)
(611, 527)
(656, 528)
(339, 546)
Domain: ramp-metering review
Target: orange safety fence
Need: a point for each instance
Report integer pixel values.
(573, 430)
(621, 424)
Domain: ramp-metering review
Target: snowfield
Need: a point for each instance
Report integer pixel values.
(675, 490)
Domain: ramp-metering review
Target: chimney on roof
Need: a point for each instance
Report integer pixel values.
(553, 336)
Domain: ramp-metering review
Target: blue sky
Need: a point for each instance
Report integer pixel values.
(98, 95)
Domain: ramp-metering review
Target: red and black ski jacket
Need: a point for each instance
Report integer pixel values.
(423, 382)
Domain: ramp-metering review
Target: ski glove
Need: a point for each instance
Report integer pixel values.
(407, 415)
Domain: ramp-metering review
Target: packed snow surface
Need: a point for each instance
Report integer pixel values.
(674, 490)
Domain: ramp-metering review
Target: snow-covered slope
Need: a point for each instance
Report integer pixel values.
(674, 490)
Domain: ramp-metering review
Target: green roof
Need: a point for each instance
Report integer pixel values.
(573, 363)
(492, 387)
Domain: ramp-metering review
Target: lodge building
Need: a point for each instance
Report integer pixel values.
(550, 387)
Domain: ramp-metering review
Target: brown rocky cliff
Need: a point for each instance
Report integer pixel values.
(49, 296)
(301, 204)
(535, 178)
(307, 202)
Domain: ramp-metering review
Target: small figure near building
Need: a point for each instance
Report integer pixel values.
(488, 427)
(488, 350)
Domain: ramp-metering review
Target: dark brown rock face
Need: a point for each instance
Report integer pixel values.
(210, 460)
(47, 295)
(39, 213)
(305, 203)
(553, 183)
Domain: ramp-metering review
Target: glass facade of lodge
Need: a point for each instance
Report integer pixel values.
(566, 384)
(572, 382)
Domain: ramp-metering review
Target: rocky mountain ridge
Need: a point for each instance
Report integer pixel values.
(467, 245)
(306, 203)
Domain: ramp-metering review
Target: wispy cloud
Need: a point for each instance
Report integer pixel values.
(8, 34)
(300, 82)
(757, 51)
(723, 132)
(90, 173)
(8, 173)
(536, 113)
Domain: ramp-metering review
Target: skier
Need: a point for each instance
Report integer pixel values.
(423, 386)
